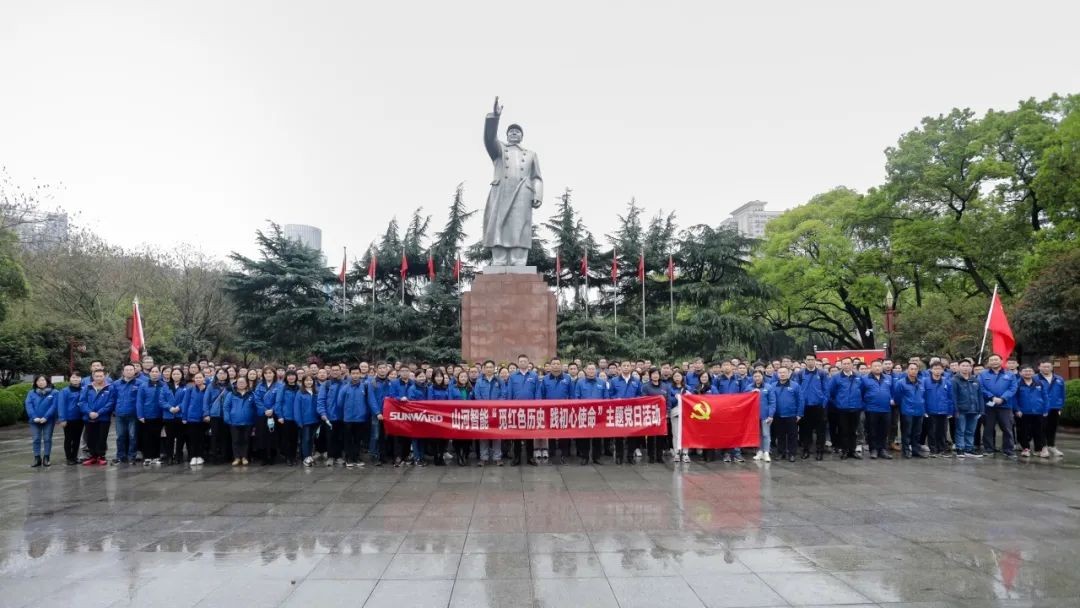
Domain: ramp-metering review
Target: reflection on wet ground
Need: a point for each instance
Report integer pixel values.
(924, 534)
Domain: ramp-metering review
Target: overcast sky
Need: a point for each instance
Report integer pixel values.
(197, 121)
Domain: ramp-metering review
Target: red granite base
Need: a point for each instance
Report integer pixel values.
(506, 315)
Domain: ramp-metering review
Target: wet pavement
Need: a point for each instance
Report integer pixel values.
(927, 534)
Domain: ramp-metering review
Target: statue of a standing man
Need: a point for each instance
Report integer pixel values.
(516, 190)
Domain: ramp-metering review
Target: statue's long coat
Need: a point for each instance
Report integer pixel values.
(517, 183)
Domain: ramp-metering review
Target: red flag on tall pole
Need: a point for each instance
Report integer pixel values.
(641, 267)
(614, 289)
(585, 274)
(585, 263)
(341, 275)
(372, 265)
(1002, 341)
(404, 265)
(614, 266)
(671, 285)
(558, 264)
(457, 268)
(430, 267)
(137, 341)
(641, 277)
(670, 268)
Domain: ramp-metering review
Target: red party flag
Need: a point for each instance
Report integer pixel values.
(341, 275)
(430, 267)
(585, 263)
(457, 268)
(1001, 336)
(670, 268)
(137, 341)
(641, 267)
(614, 266)
(720, 421)
(404, 265)
(372, 265)
(558, 263)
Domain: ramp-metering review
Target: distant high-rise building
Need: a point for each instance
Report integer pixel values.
(750, 219)
(308, 236)
(41, 231)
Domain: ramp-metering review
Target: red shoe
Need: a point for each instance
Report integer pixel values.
(102, 460)
(89, 462)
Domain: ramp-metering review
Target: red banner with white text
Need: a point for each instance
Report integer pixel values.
(720, 421)
(556, 419)
(833, 357)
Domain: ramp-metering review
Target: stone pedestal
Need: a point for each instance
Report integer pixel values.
(507, 314)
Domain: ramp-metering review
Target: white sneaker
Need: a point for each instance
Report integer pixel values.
(536, 453)
(1056, 452)
(637, 453)
(858, 449)
(767, 457)
(308, 461)
(544, 454)
(1045, 453)
(758, 455)
(194, 461)
(686, 458)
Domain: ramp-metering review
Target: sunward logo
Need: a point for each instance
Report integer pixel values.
(415, 417)
(702, 411)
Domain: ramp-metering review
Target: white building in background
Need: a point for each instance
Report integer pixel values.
(750, 219)
(42, 231)
(308, 236)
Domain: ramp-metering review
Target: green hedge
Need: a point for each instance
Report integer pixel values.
(11, 408)
(20, 391)
(1071, 414)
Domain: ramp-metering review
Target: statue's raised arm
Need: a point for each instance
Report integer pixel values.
(491, 131)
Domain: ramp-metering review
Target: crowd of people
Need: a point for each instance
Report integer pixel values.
(332, 414)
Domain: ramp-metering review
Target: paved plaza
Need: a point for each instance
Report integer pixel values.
(925, 534)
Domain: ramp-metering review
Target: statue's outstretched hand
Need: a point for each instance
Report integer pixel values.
(497, 110)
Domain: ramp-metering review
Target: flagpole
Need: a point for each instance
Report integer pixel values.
(671, 290)
(558, 264)
(986, 327)
(615, 290)
(586, 260)
(344, 256)
(643, 294)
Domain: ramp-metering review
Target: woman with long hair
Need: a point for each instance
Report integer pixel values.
(216, 393)
(41, 412)
(266, 426)
(440, 391)
(194, 419)
(705, 387)
(307, 419)
(652, 386)
(285, 410)
(172, 404)
(240, 411)
(462, 390)
(678, 389)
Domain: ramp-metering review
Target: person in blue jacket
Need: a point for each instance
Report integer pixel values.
(557, 384)
(355, 415)
(195, 419)
(440, 391)
(1031, 410)
(766, 410)
(266, 436)
(998, 387)
(939, 409)
(876, 390)
(846, 404)
(175, 390)
(487, 388)
(215, 395)
(41, 412)
(625, 385)
(909, 394)
(787, 405)
(419, 390)
(523, 385)
(1054, 390)
(70, 418)
(284, 406)
(725, 383)
(590, 387)
(331, 416)
(124, 393)
(968, 402)
(95, 402)
(814, 382)
(463, 390)
(307, 417)
(378, 389)
(240, 411)
(148, 410)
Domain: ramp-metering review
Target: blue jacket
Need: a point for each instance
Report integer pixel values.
(459, 394)
(1053, 391)
(845, 392)
(266, 396)
(726, 386)
(876, 394)
(148, 401)
(124, 395)
(67, 403)
(192, 410)
(377, 390)
(966, 395)
(594, 388)
(304, 408)
(557, 387)
(1031, 398)
(910, 396)
(399, 389)
(441, 394)
(285, 402)
(485, 389)
(621, 388)
(93, 400)
(327, 403)
(172, 397)
(1002, 384)
(353, 402)
(214, 399)
(41, 404)
(766, 408)
(523, 385)
(786, 399)
(240, 410)
(815, 386)
(939, 401)
(419, 392)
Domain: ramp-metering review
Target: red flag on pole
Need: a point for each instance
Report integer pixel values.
(137, 342)
(641, 267)
(404, 265)
(430, 267)
(1002, 341)
(614, 266)
(372, 265)
(585, 263)
(457, 268)
(341, 275)
(558, 263)
(671, 268)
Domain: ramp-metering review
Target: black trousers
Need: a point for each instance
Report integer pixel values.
(174, 439)
(654, 447)
(150, 439)
(813, 422)
(335, 439)
(97, 438)
(584, 444)
(220, 441)
(266, 439)
(195, 432)
(894, 423)
(241, 439)
(73, 431)
(1031, 431)
(936, 431)
(527, 445)
(356, 437)
(563, 445)
(289, 435)
(834, 428)
(1051, 427)
(847, 422)
(786, 431)
(998, 417)
(877, 429)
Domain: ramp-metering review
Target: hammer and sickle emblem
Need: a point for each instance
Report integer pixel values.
(702, 411)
